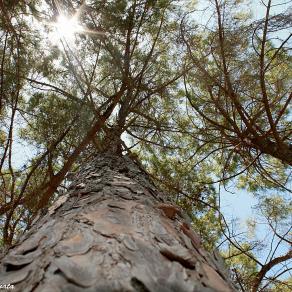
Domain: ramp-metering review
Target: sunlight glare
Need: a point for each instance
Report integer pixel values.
(66, 28)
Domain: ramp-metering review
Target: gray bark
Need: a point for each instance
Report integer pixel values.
(112, 231)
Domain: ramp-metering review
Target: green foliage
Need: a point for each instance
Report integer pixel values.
(243, 267)
(176, 112)
(283, 286)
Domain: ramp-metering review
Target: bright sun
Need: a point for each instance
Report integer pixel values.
(65, 28)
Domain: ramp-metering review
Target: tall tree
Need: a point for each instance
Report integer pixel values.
(78, 76)
(141, 242)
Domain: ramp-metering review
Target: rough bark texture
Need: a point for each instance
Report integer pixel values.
(112, 231)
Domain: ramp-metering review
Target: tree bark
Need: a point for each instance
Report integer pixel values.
(284, 153)
(112, 231)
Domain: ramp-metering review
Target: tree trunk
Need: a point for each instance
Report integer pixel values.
(112, 231)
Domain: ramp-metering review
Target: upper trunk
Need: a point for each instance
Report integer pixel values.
(112, 231)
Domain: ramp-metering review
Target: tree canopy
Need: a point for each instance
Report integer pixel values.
(198, 91)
